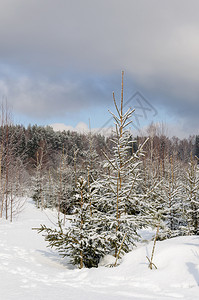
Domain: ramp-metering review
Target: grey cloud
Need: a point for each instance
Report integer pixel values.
(44, 99)
(137, 35)
(155, 42)
(180, 96)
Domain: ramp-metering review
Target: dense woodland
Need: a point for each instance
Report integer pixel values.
(108, 188)
(23, 144)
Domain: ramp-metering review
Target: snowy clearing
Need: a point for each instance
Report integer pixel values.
(29, 270)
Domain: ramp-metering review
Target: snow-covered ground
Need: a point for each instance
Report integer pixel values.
(29, 270)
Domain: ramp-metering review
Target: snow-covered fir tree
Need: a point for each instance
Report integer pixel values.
(91, 160)
(152, 180)
(38, 181)
(63, 185)
(121, 198)
(60, 185)
(191, 208)
(173, 195)
(165, 203)
(83, 240)
(50, 190)
(166, 200)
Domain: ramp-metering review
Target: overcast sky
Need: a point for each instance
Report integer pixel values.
(60, 60)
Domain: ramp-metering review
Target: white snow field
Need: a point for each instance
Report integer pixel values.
(29, 270)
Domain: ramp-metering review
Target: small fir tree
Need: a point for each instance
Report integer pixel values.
(191, 208)
(173, 193)
(83, 240)
(38, 180)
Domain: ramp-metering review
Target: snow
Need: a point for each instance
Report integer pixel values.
(29, 270)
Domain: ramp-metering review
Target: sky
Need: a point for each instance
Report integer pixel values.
(61, 60)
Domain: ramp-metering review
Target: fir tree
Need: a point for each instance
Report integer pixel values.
(173, 193)
(197, 146)
(82, 241)
(192, 197)
(38, 181)
(121, 198)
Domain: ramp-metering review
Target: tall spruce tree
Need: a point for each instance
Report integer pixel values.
(121, 198)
